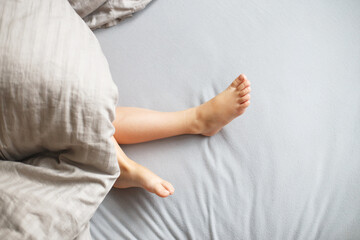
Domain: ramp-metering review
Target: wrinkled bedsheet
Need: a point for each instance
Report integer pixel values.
(289, 167)
(57, 104)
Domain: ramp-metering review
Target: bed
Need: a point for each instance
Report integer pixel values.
(289, 167)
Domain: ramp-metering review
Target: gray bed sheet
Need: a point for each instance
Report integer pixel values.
(289, 167)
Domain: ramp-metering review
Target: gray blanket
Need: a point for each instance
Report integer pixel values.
(106, 13)
(57, 104)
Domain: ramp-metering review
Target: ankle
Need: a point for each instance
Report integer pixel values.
(193, 117)
(124, 163)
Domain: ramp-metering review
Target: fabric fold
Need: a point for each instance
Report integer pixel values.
(57, 105)
(104, 14)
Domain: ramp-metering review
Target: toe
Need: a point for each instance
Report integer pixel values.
(241, 78)
(243, 85)
(168, 187)
(245, 104)
(244, 98)
(245, 91)
(161, 191)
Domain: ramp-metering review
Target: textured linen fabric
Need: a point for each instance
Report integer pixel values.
(57, 104)
(289, 167)
(106, 13)
(84, 8)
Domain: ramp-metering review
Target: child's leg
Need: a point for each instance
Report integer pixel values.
(134, 125)
(133, 174)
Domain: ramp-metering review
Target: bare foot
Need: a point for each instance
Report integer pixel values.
(135, 175)
(222, 109)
